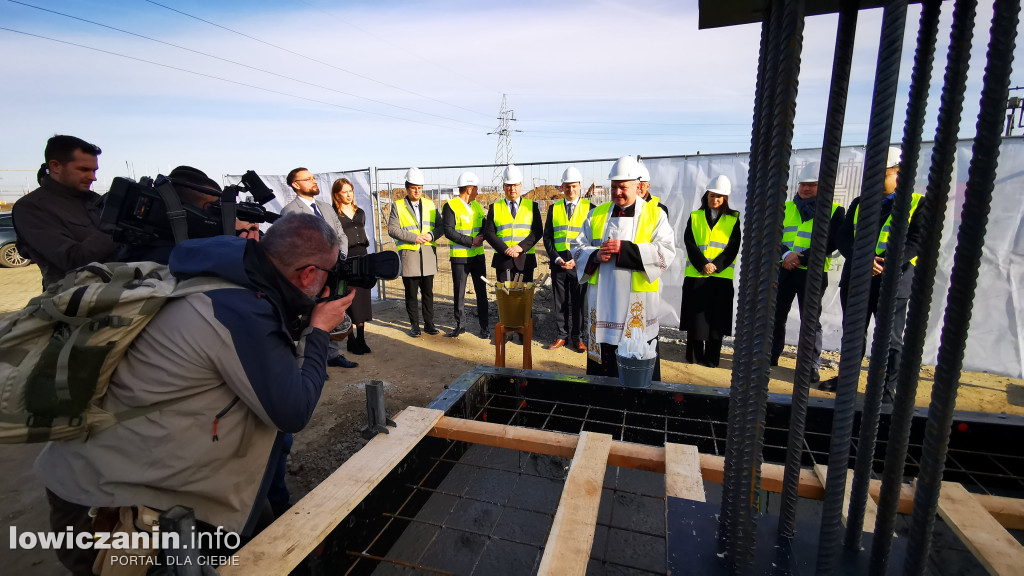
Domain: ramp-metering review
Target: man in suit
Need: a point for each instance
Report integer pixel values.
(415, 225)
(513, 227)
(304, 184)
(564, 223)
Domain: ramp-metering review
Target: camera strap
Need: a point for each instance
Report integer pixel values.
(175, 213)
(228, 211)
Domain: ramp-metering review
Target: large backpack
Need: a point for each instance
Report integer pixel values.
(58, 353)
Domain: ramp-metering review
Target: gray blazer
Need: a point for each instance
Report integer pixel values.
(422, 262)
(297, 205)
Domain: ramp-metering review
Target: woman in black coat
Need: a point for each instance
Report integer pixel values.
(712, 242)
(353, 221)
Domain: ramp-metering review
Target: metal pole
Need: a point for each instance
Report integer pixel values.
(856, 311)
(882, 361)
(963, 280)
(830, 148)
(930, 215)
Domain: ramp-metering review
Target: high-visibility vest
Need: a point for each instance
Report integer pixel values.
(407, 220)
(510, 230)
(468, 221)
(796, 232)
(883, 234)
(565, 230)
(642, 235)
(711, 241)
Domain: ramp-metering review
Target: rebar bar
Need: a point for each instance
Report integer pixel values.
(856, 310)
(811, 310)
(964, 279)
(931, 213)
(917, 104)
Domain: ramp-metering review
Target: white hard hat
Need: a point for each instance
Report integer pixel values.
(809, 173)
(895, 157)
(571, 174)
(625, 168)
(511, 175)
(720, 185)
(645, 174)
(468, 179)
(414, 176)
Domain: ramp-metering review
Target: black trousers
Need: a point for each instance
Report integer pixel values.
(567, 310)
(899, 323)
(425, 285)
(507, 275)
(477, 268)
(791, 285)
(704, 352)
(609, 366)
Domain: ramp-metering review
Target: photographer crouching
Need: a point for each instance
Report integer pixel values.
(226, 361)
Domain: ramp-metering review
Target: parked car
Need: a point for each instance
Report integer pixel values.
(9, 256)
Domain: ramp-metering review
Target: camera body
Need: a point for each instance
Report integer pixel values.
(362, 272)
(150, 210)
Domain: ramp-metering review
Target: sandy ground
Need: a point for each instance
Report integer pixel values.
(415, 372)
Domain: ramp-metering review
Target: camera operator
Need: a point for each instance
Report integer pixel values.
(58, 224)
(228, 359)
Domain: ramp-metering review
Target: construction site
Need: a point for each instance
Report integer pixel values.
(497, 458)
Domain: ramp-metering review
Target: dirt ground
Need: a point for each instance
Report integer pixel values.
(415, 371)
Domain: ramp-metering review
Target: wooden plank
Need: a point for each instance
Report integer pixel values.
(682, 472)
(279, 548)
(572, 533)
(1008, 511)
(870, 508)
(990, 543)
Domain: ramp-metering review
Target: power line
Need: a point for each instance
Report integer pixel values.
(310, 58)
(213, 77)
(409, 52)
(215, 57)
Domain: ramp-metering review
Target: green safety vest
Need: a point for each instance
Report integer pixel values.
(407, 220)
(565, 230)
(510, 230)
(642, 235)
(468, 221)
(796, 233)
(883, 235)
(711, 241)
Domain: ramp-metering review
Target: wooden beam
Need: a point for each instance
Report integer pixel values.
(572, 532)
(280, 548)
(870, 508)
(990, 543)
(1008, 511)
(682, 472)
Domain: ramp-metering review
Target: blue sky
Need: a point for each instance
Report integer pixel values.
(335, 86)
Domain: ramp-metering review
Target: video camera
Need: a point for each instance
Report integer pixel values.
(150, 210)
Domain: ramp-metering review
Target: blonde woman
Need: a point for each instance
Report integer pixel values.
(353, 221)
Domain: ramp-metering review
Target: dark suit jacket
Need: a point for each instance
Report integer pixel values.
(502, 262)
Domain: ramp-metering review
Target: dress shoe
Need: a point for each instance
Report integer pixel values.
(579, 347)
(415, 332)
(829, 385)
(774, 361)
(431, 330)
(485, 333)
(556, 344)
(455, 333)
(353, 346)
(340, 361)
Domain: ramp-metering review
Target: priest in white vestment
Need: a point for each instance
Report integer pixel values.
(626, 245)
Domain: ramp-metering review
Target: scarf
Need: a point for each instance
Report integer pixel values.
(805, 206)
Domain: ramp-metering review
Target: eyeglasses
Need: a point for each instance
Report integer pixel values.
(328, 270)
(310, 179)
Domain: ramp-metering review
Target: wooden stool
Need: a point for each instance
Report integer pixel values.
(499, 343)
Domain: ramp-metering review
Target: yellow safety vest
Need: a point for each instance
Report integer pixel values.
(796, 233)
(711, 241)
(468, 221)
(510, 230)
(883, 235)
(408, 222)
(642, 235)
(565, 230)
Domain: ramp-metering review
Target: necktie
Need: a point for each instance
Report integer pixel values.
(570, 208)
(513, 208)
(315, 211)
